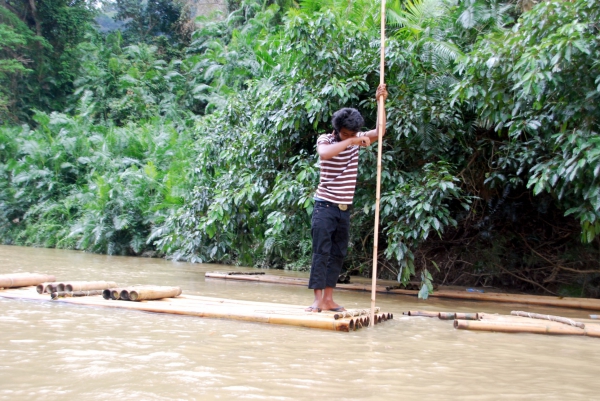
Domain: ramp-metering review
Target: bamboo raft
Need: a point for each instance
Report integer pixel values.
(517, 322)
(538, 300)
(200, 306)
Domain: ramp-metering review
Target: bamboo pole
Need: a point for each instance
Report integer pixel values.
(559, 319)
(540, 300)
(24, 279)
(458, 315)
(71, 294)
(71, 286)
(380, 128)
(590, 329)
(590, 321)
(352, 313)
(514, 327)
(43, 287)
(422, 313)
(517, 327)
(153, 292)
(115, 293)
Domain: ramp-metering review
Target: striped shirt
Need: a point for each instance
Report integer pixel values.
(338, 174)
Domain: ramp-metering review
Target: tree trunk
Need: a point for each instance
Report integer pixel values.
(38, 27)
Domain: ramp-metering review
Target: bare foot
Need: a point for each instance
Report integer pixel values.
(332, 306)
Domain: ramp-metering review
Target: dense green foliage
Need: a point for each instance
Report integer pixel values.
(546, 72)
(202, 148)
(38, 44)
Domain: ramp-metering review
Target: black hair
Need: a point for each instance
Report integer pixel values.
(348, 118)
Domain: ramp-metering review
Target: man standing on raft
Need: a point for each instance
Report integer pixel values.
(338, 153)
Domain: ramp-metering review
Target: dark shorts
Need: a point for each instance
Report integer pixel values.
(330, 234)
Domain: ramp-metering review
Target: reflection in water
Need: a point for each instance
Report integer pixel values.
(54, 350)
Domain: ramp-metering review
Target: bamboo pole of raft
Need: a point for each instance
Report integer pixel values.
(543, 327)
(43, 287)
(24, 279)
(72, 286)
(559, 319)
(458, 315)
(73, 294)
(153, 292)
(115, 293)
(422, 313)
(380, 128)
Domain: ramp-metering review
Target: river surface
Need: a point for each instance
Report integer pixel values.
(57, 351)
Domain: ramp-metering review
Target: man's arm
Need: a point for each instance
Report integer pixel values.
(327, 151)
(374, 134)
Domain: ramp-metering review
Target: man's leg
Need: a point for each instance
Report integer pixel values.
(323, 226)
(339, 249)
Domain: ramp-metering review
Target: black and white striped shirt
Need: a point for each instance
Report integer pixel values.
(338, 174)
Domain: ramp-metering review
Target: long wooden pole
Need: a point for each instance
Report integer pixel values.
(380, 128)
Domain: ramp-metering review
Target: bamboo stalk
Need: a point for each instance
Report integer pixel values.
(380, 128)
(245, 273)
(43, 288)
(353, 312)
(88, 285)
(115, 293)
(513, 327)
(540, 300)
(458, 315)
(590, 329)
(153, 292)
(422, 313)
(549, 317)
(24, 279)
(71, 294)
(589, 321)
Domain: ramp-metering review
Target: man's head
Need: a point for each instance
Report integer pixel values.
(347, 120)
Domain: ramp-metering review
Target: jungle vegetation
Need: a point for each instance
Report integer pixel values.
(195, 139)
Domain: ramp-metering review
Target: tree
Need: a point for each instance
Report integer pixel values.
(49, 32)
(145, 21)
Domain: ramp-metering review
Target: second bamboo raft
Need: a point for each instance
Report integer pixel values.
(539, 300)
(517, 322)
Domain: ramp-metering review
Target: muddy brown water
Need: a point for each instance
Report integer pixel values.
(54, 351)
